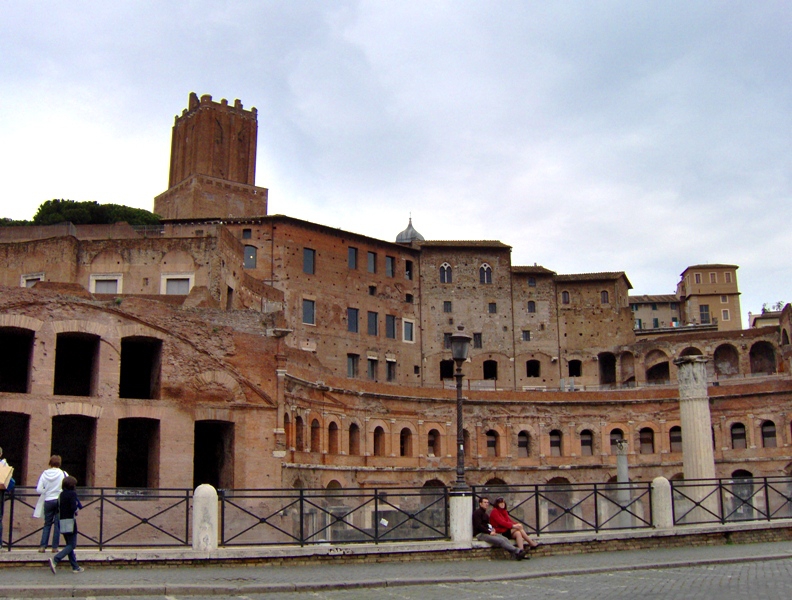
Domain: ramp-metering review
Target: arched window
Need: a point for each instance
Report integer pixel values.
(405, 442)
(379, 441)
(768, 435)
(556, 448)
(564, 297)
(604, 298)
(433, 443)
(316, 436)
(646, 440)
(738, 436)
(445, 273)
(675, 438)
(354, 440)
(492, 443)
(533, 368)
(490, 369)
(523, 444)
(615, 436)
(485, 274)
(299, 433)
(332, 438)
(531, 306)
(250, 257)
(586, 443)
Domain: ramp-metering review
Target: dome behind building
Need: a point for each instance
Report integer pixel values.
(409, 235)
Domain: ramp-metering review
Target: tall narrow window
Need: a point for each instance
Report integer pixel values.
(445, 273)
(526, 335)
(354, 440)
(523, 449)
(477, 341)
(332, 438)
(604, 297)
(250, 257)
(485, 274)
(379, 441)
(391, 367)
(372, 262)
(353, 317)
(447, 306)
(390, 327)
(531, 306)
(408, 334)
(373, 323)
(704, 314)
(616, 435)
(447, 341)
(586, 443)
(408, 269)
(390, 266)
(768, 434)
(309, 261)
(727, 277)
(352, 365)
(555, 443)
(675, 438)
(352, 257)
(564, 297)
(373, 368)
(433, 443)
(738, 436)
(532, 282)
(492, 443)
(309, 312)
(405, 442)
(646, 439)
(492, 308)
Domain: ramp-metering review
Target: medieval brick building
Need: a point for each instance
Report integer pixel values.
(244, 349)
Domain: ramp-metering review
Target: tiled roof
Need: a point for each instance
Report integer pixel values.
(594, 277)
(535, 270)
(712, 266)
(464, 244)
(657, 299)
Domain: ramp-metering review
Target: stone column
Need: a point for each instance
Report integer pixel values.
(461, 518)
(205, 518)
(698, 459)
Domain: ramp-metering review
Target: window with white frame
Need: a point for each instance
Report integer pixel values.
(30, 279)
(176, 284)
(725, 314)
(107, 283)
(408, 330)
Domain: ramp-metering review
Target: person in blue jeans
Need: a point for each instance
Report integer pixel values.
(69, 505)
(49, 486)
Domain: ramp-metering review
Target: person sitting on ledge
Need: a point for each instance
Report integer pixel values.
(484, 531)
(503, 524)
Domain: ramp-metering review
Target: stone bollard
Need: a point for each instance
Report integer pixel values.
(461, 518)
(205, 518)
(662, 504)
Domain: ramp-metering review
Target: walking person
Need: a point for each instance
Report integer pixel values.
(486, 533)
(69, 505)
(3, 463)
(49, 486)
(503, 524)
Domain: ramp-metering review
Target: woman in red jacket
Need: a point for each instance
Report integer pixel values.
(503, 524)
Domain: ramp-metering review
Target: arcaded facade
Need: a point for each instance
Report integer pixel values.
(250, 350)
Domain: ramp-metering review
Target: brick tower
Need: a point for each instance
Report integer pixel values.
(213, 164)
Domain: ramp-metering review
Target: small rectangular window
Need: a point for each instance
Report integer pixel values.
(409, 331)
(492, 308)
(390, 327)
(447, 306)
(654, 306)
(477, 340)
(372, 290)
(713, 278)
(634, 307)
(373, 323)
(408, 298)
(247, 234)
(390, 266)
(309, 261)
(655, 323)
(704, 314)
(408, 269)
(526, 336)
(352, 257)
(372, 262)
(309, 312)
(391, 365)
(373, 367)
(698, 277)
(352, 365)
(724, 299)
(352, 320)
(106, 286)
(725, 314)
(447, 341)
(727, 277)
(638, 324)
(177, 286)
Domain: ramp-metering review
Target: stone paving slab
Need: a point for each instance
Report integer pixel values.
(189, 580)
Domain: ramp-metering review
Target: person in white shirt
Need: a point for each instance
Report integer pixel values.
(49, 486)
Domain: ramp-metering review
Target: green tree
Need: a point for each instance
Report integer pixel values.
(91, 213)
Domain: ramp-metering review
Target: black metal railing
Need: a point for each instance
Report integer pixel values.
(321, 516)
(575, 507)
(110, 517)
(700, 501)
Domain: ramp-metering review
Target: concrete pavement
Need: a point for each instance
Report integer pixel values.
(343, 572)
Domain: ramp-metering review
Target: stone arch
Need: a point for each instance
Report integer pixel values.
(208, 381)
(107, 261)
(691, 351)
(177, 261)
(763, 358)
(726, 360)
(21, 322)
(657, 367)
(627, 367)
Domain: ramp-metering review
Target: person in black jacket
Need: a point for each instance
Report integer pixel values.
(483, 531)
(69, 505)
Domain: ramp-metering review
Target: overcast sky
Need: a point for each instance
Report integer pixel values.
(590, 136)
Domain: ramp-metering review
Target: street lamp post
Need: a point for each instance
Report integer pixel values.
(460, 344)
